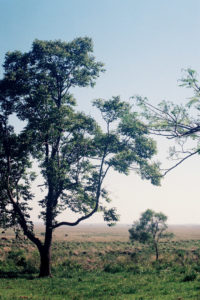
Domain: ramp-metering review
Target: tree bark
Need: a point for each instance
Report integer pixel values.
(45, 261)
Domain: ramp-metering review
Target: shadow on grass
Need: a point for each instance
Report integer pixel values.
(17, 275)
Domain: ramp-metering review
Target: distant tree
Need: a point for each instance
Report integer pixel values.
(72, 152)
(178, 123)
(150, 229)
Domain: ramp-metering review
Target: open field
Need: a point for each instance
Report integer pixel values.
(118, 233)
(103, 233)
(97, 262)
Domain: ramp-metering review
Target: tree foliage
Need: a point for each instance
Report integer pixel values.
(73, 153)
(150, 229)
(176, 122)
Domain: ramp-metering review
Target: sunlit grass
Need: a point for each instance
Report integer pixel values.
(101, 270)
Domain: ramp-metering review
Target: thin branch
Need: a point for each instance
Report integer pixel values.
(172, 121)
(161, 112)
(173, 167)
(100, 180)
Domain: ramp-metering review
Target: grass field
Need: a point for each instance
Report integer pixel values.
(97, 262)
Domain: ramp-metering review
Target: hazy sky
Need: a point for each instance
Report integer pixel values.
(144, 45)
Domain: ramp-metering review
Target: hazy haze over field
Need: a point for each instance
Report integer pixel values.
(144, 45)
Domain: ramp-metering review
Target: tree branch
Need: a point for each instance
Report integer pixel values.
(22, 221)
(173, 167)
(17, 209)
(97, 197)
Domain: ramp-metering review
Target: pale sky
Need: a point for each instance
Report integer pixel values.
(144, 45)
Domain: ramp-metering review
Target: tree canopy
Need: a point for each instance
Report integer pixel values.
(150, 229)
(74, 154)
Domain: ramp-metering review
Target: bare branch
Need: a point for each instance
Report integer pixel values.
(173, 167)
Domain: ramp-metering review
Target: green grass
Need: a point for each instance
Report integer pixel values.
(102, 285)
(99, 270)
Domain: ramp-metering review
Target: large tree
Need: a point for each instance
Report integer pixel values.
(72, 152)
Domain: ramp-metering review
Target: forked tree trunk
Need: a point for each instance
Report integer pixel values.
(45, 262)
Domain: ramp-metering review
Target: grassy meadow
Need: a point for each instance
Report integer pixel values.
(97, 262)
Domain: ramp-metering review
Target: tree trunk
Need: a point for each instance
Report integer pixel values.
(45, 251)
(156, 248)
(45, 262)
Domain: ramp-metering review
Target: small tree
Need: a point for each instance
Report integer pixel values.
(150, 229)
(72, 152)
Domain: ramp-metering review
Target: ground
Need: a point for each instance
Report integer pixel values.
(98, 262)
